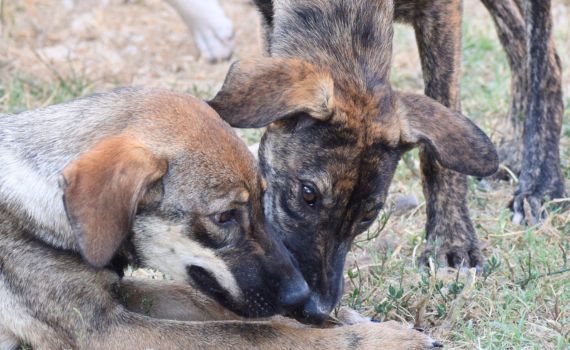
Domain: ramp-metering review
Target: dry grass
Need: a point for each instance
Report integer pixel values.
(50, 53)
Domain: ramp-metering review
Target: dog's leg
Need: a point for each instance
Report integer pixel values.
(510, 24)
(541, 176)
(170, 300)
(213, 32)
(98, 323)
(134, 331)
(177, 301)
(450, 233)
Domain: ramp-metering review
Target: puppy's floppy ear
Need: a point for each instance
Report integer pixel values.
(457, 142)
(260, 91)
(102, 190)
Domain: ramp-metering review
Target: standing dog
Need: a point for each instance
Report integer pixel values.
(153, 178)
(336, 131)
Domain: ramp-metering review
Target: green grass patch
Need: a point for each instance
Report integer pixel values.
(22, 93)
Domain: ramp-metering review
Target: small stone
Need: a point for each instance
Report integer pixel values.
(404, 204)
(484, 186)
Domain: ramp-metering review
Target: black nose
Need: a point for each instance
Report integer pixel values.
(312, 313)
(294, 293)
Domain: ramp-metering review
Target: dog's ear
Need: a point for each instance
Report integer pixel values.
(457, 142)
(102, 190)
(260, 91)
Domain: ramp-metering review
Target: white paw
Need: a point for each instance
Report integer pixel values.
(215, 44)
(212, 31)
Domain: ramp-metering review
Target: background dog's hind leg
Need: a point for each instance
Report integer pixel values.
(541, 176)
(450, 234)
(509, 21)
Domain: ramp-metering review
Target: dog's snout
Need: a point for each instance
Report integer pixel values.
(312, 313)
(294, 293)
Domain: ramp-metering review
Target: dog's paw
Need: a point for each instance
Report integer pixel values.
(214, 40)
(363, 333)
(212, 30)
(465, 254)
(527, 210)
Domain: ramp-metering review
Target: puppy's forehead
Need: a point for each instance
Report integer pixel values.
(197, 137)
(207, 175)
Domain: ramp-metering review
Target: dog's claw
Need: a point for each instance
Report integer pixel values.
(527, 210)
(456, 257)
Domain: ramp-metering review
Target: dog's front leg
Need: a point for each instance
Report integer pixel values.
(170, 300)
(450, 233)
(178, 301)
(135, 331)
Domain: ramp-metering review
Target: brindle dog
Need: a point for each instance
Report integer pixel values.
(336, 129)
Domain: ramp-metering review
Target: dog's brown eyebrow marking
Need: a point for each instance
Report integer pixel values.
(239, 196)
(242, 197)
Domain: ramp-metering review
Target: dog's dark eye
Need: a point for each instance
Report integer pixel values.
(309, 195)
(225, 217)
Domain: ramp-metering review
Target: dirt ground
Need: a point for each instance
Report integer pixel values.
(144, 42)
(115, 42)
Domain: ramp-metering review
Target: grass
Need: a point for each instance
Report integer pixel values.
(21, 93)
(521, 299)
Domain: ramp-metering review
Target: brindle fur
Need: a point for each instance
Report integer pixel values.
(350, 157)
(140, 174)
